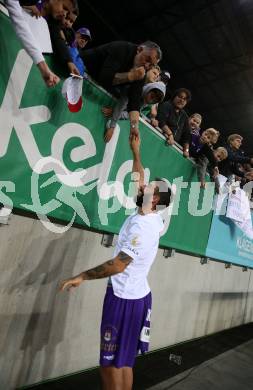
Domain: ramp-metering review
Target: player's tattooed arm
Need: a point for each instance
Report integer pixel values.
(109, 268)
(124, 258)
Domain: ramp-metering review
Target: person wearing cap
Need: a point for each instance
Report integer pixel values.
(117, 65)
(125, 324)
(173, 120)
(82, 37)
(152, 93)
(75, 84)
(74, 45)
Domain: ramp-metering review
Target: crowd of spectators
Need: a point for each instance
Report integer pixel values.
(132, 75)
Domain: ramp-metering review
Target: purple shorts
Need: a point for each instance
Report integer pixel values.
(125, 329)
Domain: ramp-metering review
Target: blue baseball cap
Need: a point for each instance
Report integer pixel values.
(84, 31)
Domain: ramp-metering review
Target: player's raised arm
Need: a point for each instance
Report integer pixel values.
(137, 165)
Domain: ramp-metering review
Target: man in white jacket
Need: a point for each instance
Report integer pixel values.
(28, 41)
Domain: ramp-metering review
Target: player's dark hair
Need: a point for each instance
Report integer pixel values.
(164, 195)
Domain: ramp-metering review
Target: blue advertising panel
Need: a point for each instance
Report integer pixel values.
(228, 242)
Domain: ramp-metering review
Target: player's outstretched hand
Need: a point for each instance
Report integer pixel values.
(71, 283)
(135, 142)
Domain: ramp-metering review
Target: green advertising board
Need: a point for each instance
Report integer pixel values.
(55, 163)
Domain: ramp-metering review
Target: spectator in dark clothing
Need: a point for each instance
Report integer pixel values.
(173, 120)
(118, 64)
(204, 147)
(72, 38)
(194, 123)
(59, 44)
(164, 77)
(209, 136)
(68, 33)
(206, 158)
(152, 93)
(205, 166)
(235, 157)
(114, 114)
(44, 8)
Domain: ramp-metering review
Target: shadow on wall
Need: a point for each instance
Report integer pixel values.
(42, 329)
(211, 312)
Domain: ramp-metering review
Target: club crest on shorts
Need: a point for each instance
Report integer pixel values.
(109, 333)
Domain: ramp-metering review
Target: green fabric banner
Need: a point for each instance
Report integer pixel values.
(45, 151)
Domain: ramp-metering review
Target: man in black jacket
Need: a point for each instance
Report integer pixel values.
(118, 64)
(235, 157)
(173, 120)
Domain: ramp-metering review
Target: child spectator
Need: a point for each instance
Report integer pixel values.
(204, 154)
(194, 123)
(209, 137)
(152, 93)
(164, 77)
(205, 165)
(153, 74)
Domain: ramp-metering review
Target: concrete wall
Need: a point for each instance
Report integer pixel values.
(45, 334)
